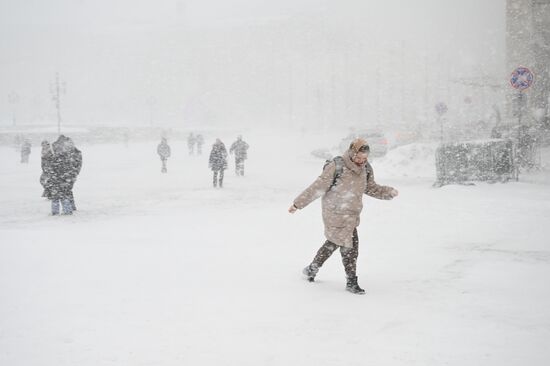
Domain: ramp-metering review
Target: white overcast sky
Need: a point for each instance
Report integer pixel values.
(40, 37)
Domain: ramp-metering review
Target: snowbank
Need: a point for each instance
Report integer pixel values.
(416, 160)
(163, 269)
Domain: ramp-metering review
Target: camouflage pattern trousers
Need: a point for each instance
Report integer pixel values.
(239, 166)
(349, 255)
(215, 178)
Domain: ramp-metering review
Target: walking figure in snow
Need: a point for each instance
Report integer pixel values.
(218, 162)
(17, 143)
(66, 165)
(526, 147)
(239, 147)
(163, 149)
(342, 184)
(25, 151)
(191, 140)
(200, 141)
(47, 173)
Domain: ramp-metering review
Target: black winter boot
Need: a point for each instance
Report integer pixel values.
(353, 287)
(310, 272)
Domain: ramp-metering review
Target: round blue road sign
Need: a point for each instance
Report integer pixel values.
(521, 78)
(441, 108)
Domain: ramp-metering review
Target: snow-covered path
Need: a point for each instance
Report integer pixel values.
(165, 270)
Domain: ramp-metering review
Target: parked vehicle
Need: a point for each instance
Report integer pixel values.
(377, 141)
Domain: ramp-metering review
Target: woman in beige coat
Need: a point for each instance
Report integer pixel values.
(342, 203)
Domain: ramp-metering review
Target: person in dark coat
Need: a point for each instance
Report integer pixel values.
(66, 165)
(46, 163)
(218, 162)
(163, 149)
(76, 166)
(25, 151)
(240, 148)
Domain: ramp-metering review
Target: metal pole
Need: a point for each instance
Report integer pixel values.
(58, 104)
(57, 99)
(290, 95)
(378, 97)
(520, 107)
(440, 120)
(13, 99)
(402, 57)
(426, 104)
(519, 150)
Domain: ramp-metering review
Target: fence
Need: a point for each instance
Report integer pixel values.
(488, 160)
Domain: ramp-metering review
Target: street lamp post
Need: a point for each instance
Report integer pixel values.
(13, 99)
(57, 90)
(151, 102)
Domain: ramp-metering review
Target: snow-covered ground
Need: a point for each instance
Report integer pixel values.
(165, 270)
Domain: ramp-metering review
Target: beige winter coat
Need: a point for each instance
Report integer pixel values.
(342, 204)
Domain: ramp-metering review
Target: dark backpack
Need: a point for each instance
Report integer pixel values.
(339, 161)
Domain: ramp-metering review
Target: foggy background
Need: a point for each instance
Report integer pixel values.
(191, 63)
(164, 269)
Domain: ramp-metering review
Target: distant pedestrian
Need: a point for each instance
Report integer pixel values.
(240, 148)
(66, 165)
(200, 142)
(17, 140)
(191, 140)
(126, 138)
(526, 147)
(163, 149)
(76, 166)
(47, 172)
(25, 151)
(218, 162)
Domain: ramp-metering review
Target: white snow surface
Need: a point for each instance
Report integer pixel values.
(160, 269)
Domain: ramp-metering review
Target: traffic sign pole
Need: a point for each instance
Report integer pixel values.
(441, 109)
(521, 79)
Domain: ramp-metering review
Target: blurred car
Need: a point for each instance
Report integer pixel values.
(322, 153)
(404, 137)
(377, 141)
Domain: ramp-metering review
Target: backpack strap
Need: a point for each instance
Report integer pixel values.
(339, 162)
